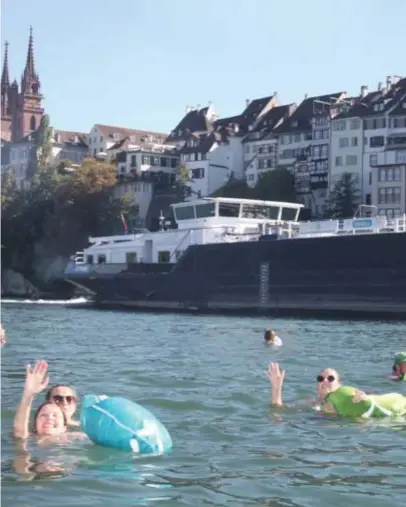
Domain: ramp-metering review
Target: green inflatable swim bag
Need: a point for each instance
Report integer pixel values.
(384, 405)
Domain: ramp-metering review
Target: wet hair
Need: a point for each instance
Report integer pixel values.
(65, 420)
(49, 392)
(269, 335)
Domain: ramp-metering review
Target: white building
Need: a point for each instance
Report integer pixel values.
(102, 137)
(361, 144)
(66, 145)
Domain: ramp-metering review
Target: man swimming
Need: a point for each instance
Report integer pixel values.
(399, 367)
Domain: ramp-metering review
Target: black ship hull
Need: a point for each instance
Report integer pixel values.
(350, 276)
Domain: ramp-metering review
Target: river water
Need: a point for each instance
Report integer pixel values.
(203, 376)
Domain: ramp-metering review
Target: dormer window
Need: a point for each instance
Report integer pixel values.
(132, 139)
(76, 140)
(180, 133)
(116, 135)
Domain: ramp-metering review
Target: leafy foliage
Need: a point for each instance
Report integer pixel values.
(274, 185)
(344, 198)
(59, 211)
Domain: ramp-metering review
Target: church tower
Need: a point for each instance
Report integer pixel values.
(6, 128)
(29, 111)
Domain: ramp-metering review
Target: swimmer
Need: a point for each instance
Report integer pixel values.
(271, 338)
(66, 398)
(49, 419)
(336, 399)
(2, 335)
(399, 367)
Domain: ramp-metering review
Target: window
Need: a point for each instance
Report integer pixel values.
(354, 141)
(351, 160)
(185, 213)
(247, 148)
(376, 141)
(205, 210)
(164, 256)
(131, 257)
(389, 174)
(164, 162)
(355, 124)
(33, 123)
(174, 163)
(339, 161)
(297, 138)
(389, 195)
(101, 259)
(145, 159)
(339, 125)
(373, 159)
(343, 142)
(227, 209)
(198, 174)
(89, 259)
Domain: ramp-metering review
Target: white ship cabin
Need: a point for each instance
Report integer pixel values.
(223, 220)
(203, 221)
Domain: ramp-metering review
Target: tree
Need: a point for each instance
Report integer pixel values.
(344, 199)
(234, 188)
(40, 155)
(276, 185)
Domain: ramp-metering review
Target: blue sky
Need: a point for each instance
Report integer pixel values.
(138, 63)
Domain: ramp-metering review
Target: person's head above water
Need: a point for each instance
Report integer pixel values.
(399, 365)
(49, 420)
(65, 397)
(269, 336)
(328, 380)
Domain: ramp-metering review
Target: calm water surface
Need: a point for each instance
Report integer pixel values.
(204, 378)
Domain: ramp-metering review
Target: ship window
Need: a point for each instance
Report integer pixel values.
(289, 214)
(131, 257)
(205, 210)
(101, 259)
(89, 259)
(164, 256)
(229, 209)
(255, 211)
(185, 213)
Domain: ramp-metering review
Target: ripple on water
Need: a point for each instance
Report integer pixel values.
(204, 378)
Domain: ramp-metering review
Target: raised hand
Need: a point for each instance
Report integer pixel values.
(36, 379)
(275, 375)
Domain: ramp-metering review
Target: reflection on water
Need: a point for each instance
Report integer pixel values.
(204, 378)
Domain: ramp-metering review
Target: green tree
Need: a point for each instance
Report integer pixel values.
(40, 155)
(344, 198)
(276, 185)
(235, 188)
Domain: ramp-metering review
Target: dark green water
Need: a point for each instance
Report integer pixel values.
(204, 378)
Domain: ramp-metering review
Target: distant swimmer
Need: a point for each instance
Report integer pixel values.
(399, 367)
(271, 338)
(2, 335)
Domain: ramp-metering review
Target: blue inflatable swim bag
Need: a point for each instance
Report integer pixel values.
(123, 424)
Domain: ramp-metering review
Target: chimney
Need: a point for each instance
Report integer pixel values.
(388, 82)
(186, 109)
(306, 95)
(247, 102)
(275, 94)
(380, 86)
(364, 91)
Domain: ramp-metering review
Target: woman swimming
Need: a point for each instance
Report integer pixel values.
(399, 367)
(50, 420)
(334, 398)
(66, 398)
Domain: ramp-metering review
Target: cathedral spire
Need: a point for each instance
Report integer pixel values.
(5, 80)
(30, 82)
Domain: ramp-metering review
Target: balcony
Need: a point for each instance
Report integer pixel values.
(396, 141)
(385, 158)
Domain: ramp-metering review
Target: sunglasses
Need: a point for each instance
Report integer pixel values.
(59, 399)
(321, 378)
